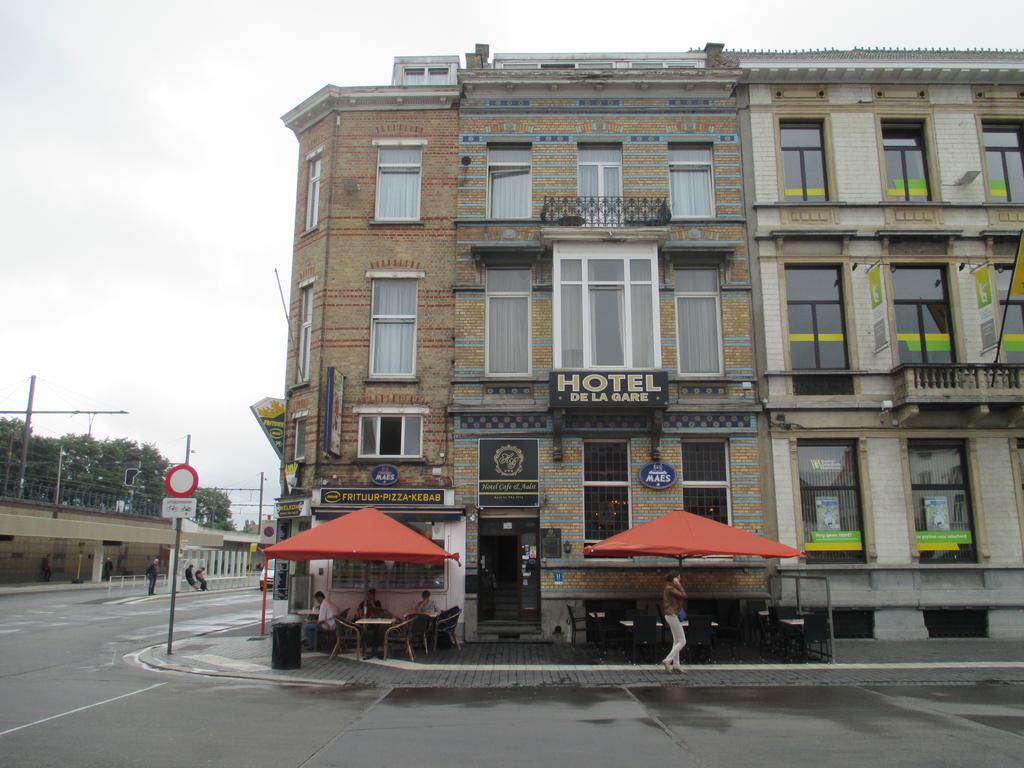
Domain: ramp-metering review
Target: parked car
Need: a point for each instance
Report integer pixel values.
(269, 580)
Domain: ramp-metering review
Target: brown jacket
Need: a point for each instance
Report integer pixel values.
(673, 598)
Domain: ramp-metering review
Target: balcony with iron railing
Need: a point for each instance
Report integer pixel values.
(606, 211)
(966, 384)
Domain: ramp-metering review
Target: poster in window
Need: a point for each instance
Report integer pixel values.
(936, 513)
(827, 510)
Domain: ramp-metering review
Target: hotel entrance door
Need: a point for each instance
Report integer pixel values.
(509, 570)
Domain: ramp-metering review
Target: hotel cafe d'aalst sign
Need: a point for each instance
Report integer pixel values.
(570, 389)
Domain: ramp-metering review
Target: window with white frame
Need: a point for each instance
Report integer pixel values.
(305, 330)
(689, 167)
(313, 192)
(299, 449)
(509, 187)
(426, 75)
(391, 435)
(705, 479)
(698, 320)
(600, 172)
(605, 489)
(393, 337)
(605, 305)
(398, 182)
(508, 321)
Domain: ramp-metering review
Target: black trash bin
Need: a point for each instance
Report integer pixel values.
(287, 650)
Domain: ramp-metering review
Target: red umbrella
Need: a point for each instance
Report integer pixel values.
(366, 534)
(684, 534)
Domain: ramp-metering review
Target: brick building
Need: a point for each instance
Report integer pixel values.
(369, 355)
(602, 323)
(885, 196)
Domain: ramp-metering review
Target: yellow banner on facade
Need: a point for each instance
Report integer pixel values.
(1017, 284)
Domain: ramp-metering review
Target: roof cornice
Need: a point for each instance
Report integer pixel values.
(332, 98)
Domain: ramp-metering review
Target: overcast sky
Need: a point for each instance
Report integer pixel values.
(147, 184)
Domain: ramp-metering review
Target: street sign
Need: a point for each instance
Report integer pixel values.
(181, 481)
(178, 508)
(268, 535)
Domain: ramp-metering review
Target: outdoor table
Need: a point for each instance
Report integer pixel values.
(628, 624)
(376, 624)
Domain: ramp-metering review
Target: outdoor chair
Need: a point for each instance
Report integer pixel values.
(815, 633)
(343, 630)
(421, 630)
(401, 635)
(699, 635)
(610, 633)
(575, 625)
(730, 632)
(446, 624)
(644, 635)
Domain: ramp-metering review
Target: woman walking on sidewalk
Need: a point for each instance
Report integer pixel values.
(674, 599)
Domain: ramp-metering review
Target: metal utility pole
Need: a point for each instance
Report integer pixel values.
(28, 429)
(25, 435)
(60, 467)
(174, 559)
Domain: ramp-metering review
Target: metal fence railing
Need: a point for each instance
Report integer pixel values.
(77, 495)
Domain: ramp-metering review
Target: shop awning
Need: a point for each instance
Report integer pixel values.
(366, 534)
(683, 534)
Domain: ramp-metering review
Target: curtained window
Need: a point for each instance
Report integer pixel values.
(698, 324)
(305, 331)
(690, 178)
(508, 170)
(508, 321)
(393, 343)
(398, 183)
(313, 193)
(606, 310)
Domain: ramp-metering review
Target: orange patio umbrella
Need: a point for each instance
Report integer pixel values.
(366, 534)
(683, 534)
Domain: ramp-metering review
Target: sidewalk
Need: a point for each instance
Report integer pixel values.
(497, 665)
(32, 587)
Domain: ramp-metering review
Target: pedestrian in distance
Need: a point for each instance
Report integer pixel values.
(47, 571)
(201, 579)
(191, 578)
(674, 599)
(108, 568)
(151, 573)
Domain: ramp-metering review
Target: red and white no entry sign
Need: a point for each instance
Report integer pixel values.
(181, 480)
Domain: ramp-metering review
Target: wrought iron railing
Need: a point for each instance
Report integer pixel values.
(606, 211)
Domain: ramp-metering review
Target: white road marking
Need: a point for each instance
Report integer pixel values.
(80, 709)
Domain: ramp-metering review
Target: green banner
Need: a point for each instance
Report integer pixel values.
(832, 541)
(944, 537)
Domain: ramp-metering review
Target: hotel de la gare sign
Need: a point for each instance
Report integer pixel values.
(623, 388)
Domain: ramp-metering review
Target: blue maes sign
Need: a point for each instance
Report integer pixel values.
(384, 474)
(658, 475)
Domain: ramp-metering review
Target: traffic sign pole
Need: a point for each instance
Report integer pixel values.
(177, 486)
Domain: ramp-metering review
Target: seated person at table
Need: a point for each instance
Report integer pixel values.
(426, 606)
(326, 615)
(371, 608)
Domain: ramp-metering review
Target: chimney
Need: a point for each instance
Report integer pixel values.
(483, 50)
(714, 53)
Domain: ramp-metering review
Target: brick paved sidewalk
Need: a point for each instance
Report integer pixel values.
(497, 665)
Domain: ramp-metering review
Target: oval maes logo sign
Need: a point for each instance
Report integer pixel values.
(658, 475)
(384, 474)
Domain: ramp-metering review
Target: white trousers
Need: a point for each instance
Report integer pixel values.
(678, 638)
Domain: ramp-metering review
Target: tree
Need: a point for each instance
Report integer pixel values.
(213, 509)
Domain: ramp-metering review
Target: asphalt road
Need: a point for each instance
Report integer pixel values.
(70, 698)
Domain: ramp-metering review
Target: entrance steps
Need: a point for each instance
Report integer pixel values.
(509, 632)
